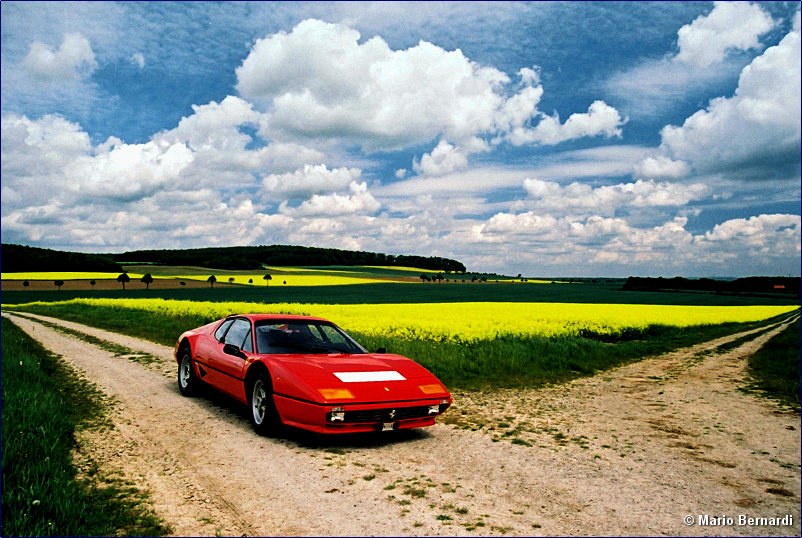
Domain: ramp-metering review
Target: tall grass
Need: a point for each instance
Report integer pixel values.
(44, 403)
(500, 361)
(775, 368)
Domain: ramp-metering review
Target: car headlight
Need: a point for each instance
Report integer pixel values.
(434, 409)
(336, 414)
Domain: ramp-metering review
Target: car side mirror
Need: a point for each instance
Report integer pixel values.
(381, 350)
(231, 349)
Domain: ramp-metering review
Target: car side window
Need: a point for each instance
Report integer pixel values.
(248, 345)
(237, 333)
(221, 330)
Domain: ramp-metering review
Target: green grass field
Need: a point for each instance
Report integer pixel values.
(502, 361)
(507, 289)
(775, 368)
(577, 292)
(506, 360)
(44, 403)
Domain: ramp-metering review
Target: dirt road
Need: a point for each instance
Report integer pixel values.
(631, 451)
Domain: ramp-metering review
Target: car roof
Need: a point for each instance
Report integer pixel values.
(260, 317)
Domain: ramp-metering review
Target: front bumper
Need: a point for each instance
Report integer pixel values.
(359, 417)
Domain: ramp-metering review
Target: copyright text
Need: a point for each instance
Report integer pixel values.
(740, 520)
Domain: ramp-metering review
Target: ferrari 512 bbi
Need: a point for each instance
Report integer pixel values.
(308, 373)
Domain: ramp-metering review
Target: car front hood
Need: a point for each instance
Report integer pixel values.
(368, 378)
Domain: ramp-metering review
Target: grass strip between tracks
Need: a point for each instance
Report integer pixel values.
(775, 368)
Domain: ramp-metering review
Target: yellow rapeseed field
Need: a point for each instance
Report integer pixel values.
(466, 322)
(399, 268)
(320, 278)
(291, 280)
(320, 270)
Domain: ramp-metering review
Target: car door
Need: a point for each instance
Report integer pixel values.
(227, 369)
(206, 348)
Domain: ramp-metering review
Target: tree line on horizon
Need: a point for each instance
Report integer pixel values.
(753, 284)
(21, 258)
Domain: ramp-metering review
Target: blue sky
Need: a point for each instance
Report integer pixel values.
(575, 139)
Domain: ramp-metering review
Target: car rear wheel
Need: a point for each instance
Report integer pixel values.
(187, 380)
(264, 416)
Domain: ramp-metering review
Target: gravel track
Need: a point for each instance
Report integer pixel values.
(630, 451)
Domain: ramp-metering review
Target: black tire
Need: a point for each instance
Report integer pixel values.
(263, 414)
(188, 382)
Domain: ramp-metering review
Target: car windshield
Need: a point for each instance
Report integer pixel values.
(300, 336)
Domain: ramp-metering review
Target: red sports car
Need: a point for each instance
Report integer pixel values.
(308, 373)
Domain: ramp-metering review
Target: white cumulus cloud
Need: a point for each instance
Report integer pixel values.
(443, 159)
(738, 246)
(600, 120)
(74, 59)
(706, 48)
(311, 179)
(761, 121)
(128, 171)
(358, 200)
(752, 231)
(214, 132)
(320, 79)
(607, 199)
(730, 26)
(661, 167)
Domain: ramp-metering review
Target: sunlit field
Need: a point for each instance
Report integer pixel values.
(465, 322)
(395, 268)
(279, 276)
(287, 280)
(467, 344)
(63, 275)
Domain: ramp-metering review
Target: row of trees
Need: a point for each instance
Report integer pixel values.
(267, 278)
(147, 279)
(439, 278)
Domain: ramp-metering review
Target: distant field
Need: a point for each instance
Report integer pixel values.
(171, 277)
(466, 322)
(47, 275)
(351, 285)
(179, 277)
(465, 344)
(576, 292)
(294, 279)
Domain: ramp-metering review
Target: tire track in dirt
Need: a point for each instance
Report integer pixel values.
(629, 451)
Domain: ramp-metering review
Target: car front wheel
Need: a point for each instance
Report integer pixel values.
(264, 416)
(187, 380)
